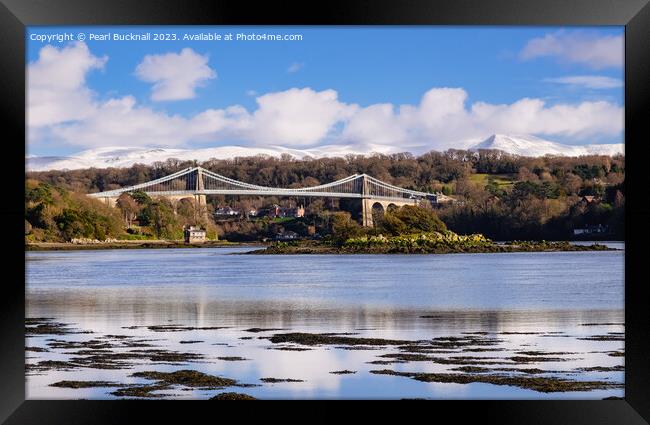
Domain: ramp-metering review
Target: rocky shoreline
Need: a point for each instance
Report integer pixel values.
(148, 244)
(409, 244)
(420, 245)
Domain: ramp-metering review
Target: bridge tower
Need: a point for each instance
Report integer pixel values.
(366, 203)
(200, 199)
(370, 199)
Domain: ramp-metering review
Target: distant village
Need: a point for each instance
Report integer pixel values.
(594, 229)
(272, 211)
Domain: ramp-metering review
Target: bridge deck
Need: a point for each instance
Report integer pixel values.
(198, 181)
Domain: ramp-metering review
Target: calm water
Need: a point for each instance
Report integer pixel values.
(528, 301)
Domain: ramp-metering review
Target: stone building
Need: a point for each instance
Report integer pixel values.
(194, 235)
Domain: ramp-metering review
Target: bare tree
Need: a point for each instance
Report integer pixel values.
(129, 208)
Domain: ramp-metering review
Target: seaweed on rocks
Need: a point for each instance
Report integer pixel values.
(535, 359)
(46, 326)
(386, 362)
(537, 383)
(94, 344)
(180, 328)
(257, 330)
(140, 391)
(232, 396)
(358, 347)
(331, 339)
(277, 380)
(545, 353)
(47, 365)
(187, 378)
(603, 338)
(85, 384)
(617, 368)
(36, 349)
(289, 348)
(471, 369)
(603, 324)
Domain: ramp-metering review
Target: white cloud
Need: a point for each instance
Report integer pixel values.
(441, 120)
(377, 123)
(590, 49)
(295, 67)
(175, 76)
(588, 81)
(304, 117)
(532, 116)
(296, 116)
(56, 81)
(120, 122)
(299, 117)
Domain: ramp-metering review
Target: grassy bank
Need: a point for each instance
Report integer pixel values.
(134, 244)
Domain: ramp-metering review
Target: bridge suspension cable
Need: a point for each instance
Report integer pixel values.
(199, 181)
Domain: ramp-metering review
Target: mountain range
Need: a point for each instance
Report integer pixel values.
(526, 145)
(523, 145)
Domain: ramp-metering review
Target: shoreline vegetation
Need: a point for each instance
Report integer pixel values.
(406, 230)
(126, 244)
(423, 243)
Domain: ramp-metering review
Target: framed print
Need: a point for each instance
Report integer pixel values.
(419, 201)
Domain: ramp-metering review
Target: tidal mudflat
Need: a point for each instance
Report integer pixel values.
(205, 324)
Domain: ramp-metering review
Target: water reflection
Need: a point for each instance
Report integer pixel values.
(521, 302)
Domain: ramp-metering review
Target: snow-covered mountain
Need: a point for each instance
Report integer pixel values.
(526, 145)
(127, 156)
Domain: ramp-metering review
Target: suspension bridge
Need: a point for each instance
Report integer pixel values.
(197, 183)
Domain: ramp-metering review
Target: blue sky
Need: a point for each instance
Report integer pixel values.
(334, 82)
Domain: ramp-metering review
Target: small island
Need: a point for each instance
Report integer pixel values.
(423, 243)
(411, 230)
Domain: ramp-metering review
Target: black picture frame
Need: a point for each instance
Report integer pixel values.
(15, 15)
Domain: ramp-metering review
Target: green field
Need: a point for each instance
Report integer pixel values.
(503, 180)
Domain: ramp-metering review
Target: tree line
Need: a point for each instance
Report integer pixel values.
(428, 172)
(500, 195)
(55, 214)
